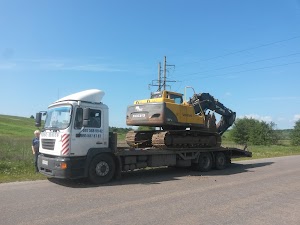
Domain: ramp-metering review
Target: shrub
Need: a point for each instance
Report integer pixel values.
(255, 132)
(295, 134)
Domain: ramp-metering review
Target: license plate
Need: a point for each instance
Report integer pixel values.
(139, 115)
(45, 162)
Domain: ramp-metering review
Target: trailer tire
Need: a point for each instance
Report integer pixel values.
(204, 162)
(220, 161)
(102, 169)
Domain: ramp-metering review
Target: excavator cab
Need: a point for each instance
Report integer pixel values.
(176, 97)
(164, 109)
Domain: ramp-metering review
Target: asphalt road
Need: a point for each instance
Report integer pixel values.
(263, 191)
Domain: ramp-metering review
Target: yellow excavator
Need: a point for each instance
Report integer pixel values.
(178, 123)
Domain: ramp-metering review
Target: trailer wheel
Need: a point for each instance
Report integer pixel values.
(220, 161)
(102, 169)
(204, 162)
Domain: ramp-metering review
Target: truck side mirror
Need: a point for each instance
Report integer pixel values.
(86, 116)
(38, 119)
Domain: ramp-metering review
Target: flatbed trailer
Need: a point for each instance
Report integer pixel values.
(202, 159)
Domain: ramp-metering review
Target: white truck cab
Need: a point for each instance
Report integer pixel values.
(75, 127)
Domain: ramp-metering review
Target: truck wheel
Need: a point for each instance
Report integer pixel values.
(204, 162)
(102, 169)
(220, 160)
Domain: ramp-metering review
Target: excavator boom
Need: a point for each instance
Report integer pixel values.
(205, 101)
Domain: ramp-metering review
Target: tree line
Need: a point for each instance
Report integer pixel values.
(255, 132)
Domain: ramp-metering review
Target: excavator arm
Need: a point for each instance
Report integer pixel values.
(205, 101)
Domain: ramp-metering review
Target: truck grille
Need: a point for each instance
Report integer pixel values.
(48, 144)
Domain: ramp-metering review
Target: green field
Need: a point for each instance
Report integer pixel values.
(16, 159)
(259, 152)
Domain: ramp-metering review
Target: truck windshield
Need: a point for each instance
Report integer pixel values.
(58, 117)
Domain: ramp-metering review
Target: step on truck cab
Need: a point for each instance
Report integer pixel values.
(75, 142)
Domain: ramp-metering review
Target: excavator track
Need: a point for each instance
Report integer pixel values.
(139, 139)
(175, 139)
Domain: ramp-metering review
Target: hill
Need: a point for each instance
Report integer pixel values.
(16, 159)
(14, 126)
(16, 134)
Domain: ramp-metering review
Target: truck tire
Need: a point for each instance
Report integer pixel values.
(102, 169)
(220, 161)
(204, 162)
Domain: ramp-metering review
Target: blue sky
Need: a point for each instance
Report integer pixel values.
(245, 53)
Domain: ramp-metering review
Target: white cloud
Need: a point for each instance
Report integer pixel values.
(86, 65)
(258, 117)
(296, 117)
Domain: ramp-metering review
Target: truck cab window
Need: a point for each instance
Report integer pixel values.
(95, 118)
(78, 118)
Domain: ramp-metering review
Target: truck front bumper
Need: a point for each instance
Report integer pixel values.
(62, 167)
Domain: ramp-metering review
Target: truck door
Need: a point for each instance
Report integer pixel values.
(90, 136)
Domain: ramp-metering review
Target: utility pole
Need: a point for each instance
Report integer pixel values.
(159, 77)
(162, 84)
(165, 73)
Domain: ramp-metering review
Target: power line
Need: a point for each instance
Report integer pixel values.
(243, 71)
(241, 64)
(243, 50)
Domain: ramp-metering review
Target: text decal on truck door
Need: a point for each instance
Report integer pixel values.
(91, 133)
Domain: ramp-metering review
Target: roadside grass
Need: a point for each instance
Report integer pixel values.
(15, 148)
(283, 148)
(16, 159)
(12, 171)
(259, 152)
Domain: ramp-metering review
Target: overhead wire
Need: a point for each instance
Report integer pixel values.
(241, 64)
(240, 51)
(243, 71)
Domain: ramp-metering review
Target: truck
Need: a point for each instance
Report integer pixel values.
(75, 142)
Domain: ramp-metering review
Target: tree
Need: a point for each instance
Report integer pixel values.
(263, 134)
(295, 134)
(240, 132)
(119, 130)
(31, 117)
(252, 131)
